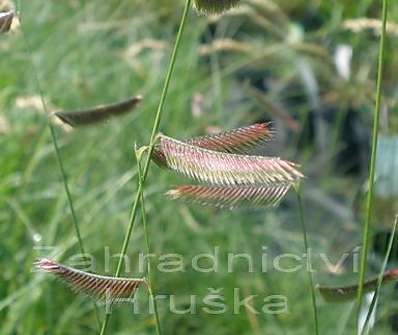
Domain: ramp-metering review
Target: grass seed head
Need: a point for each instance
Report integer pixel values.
(209, 7)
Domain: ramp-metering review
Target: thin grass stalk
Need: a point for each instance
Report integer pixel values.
(56, 148)
(380, 278)
(309, 273)
(149, 275)
(58, 156)
(148, 251)
(155, 130)
(375, 133)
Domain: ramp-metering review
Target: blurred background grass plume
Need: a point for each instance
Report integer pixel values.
(307, 66)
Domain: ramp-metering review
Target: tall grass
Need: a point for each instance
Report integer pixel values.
(155, 129)
(371, 180)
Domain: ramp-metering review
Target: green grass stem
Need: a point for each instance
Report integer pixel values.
(155, 130)
(371, 182)
(148, 251)
(309, 273)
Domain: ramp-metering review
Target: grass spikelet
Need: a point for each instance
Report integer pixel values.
(99, 287)
(6, 19)
(218, 168)
(209, 7)
(231, 196)
(239, 141)
(347, 293)
(99, 113)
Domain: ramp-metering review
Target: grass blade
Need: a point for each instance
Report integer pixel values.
(98, 114)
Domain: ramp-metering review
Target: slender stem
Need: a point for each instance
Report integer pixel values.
(155, 129)
(309, 271)
(68, 195)
(66, 185)
(58, 155)
(376, 119)
(149, 279)
(148, 251)
(56, 147)
(380, 278)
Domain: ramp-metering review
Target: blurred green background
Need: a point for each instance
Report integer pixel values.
(307, 66)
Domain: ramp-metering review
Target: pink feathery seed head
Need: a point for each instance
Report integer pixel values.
(240, 141)
(100, 287)
(233, 137)
(219, 168)
(231, 196)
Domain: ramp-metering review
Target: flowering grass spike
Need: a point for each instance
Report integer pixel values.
(102, 288)
(346, 293)
(240, 141)
(215, 6)
(99, 113)
(218, 168)
(231, 196)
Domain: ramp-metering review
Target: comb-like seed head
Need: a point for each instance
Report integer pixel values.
(346, 293)
(225, 169)
(96, 286)
(231, 196)
(215, 6)
(240, 141)
(99, 113)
